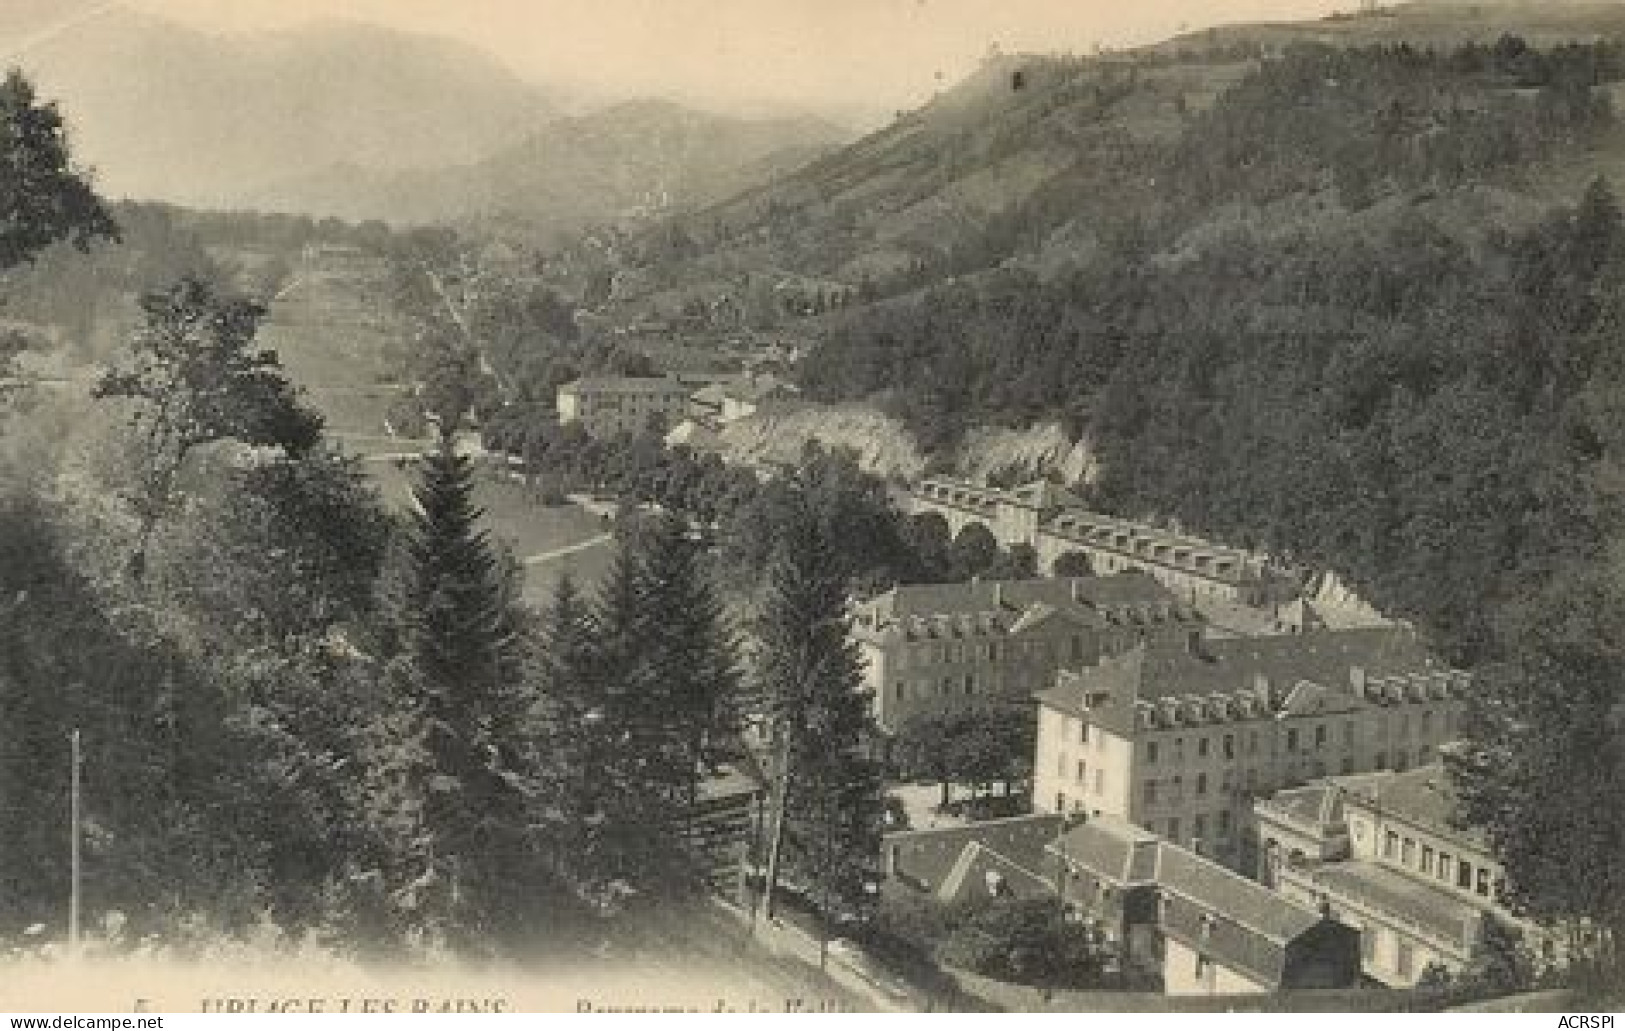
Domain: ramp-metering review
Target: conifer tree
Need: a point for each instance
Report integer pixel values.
(575, 795)
(833, 798)
(457, 778)
(672, 691)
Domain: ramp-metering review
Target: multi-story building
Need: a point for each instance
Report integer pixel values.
(937, 649)
(609, 405)
(1206, 929)
(1387, 854)
(1179, 735)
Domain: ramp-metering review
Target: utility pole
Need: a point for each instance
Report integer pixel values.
(73, 848)
(776, 807)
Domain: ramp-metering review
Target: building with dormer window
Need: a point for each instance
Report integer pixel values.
(1181, 734)
(940, 649)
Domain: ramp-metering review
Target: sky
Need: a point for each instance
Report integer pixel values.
(819, 55)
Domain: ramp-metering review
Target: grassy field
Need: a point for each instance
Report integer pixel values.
(334, 345)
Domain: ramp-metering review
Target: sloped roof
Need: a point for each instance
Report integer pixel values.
(1407, 899)
(1238, 923)
(1317, 805)
(929, 855)
(999, 607)
(1111, 848)
(626, 385)
(968, 877)
(1424, 796)
(1234, 921)
(1161, 668)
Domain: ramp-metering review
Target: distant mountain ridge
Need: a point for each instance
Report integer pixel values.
(353, 120)
(639, 157)
(162, 111)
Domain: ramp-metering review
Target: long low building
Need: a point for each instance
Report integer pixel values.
(1055, 523)
(1161, 910)
(1388, 855)
(1210, 930)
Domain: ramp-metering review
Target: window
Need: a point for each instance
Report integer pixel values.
(1427, 859)
(1320, 767)
(1150, 753)
(1224, 822)
(1083, 732)
(1179, 749)
(1482, 887)
(1292, 739)
(970, 683)
(1405, 726)
(1408, 857)
(900, 690)
(1230, 746)
(1201, 783)
(1320, 736)
(1427, 724)
(1150, 792)
(1060, 765)
(1390, 845)
(1100, 781)
(992, 651)
(946, 687)
(1252, 742)
(1199, 825)
(1348, 734)
(1201, 747)
(1404, 960)
(1444, 866)
(1464, 874)
(1252, 780)
(1060, 801)
(1173, 829)
(1083, 772)
(1346, 767)
(1402, 762)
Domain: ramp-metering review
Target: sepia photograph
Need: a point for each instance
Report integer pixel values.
(811, 507)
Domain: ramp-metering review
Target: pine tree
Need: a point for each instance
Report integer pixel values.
(833, 799)
(457, 778)
(572, 735)
(672, 693)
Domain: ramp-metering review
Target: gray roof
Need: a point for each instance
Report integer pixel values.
(1228, 918)
(1111, 848)
(1405, 899)
(997, 607)
(1159, 668)
(1425, 796)
(627, 385)
(929, 855)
